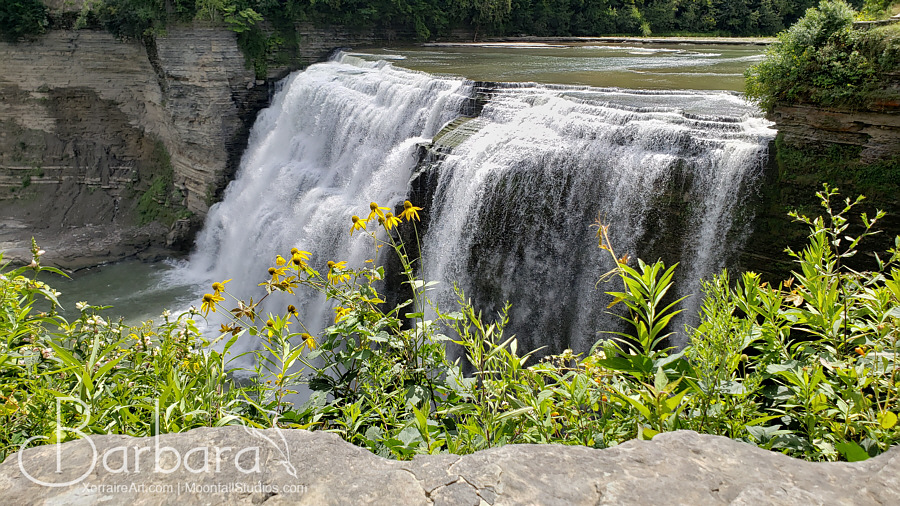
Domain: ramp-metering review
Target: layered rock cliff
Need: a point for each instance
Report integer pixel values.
(876, 133)
(110, 149)
(857, 152)
(98, 136)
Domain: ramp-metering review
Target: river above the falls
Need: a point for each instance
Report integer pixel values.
(624, 65)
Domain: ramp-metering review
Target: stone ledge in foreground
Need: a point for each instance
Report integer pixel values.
(234, 465)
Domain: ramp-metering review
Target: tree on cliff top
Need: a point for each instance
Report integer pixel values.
(22, 19)
(822, 60)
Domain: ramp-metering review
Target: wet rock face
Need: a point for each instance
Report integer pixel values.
(241, 466)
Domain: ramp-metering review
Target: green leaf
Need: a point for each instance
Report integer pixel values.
(380, 337)
(647, 433)
(660, 380)
(515, 412)
(409, 435)
(887, 420)
(643, 410)
(852, 451)
(416, 395)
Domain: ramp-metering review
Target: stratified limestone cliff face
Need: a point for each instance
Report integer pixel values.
(88, 122)
(876, 133)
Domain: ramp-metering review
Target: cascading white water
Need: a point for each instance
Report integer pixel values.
(337, 136)
(514, 204)
(511, 212)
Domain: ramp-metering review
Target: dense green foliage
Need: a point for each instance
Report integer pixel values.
(822, 60)
(161, 201)
(267, 29)
(120, 376)
(428, 18)
(22, 19)
(808, 367)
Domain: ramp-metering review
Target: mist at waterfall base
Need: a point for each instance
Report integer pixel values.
(509, 209)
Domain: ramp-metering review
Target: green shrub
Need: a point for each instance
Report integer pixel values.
(822, 60)
(808, 368)
(22, 19)
(161, 201)
(121, 377)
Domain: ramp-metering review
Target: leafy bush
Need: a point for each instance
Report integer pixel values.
(823, 60)
(133, 19)
(161, 201)
(120, 377)
(22, 19)
(808, 367)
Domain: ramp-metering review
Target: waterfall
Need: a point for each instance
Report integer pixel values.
(510, 205)
(337, 136)
(514, 203)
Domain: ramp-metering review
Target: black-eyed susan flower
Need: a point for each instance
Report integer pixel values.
(279, 260)
(276, 273)
(299, 258)
(410, 212)
(391, 221)
(209, 303)
(335, 275)
(358, 224)
(376, 211)
(309, 341)
(340, 313)
(218, 288)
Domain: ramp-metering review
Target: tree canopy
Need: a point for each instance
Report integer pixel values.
(822, 60)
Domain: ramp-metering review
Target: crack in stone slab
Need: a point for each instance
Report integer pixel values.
(334, 472)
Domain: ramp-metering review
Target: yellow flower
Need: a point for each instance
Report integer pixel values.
(276, 273)
(376, 211)
(309, 341)
(410, 212)
(287, 284)
(279, 260)
(334, 272)
(218, 288)
(358, 224)
(391, 221)
(340, 313)
(209, 302)
(299, 258)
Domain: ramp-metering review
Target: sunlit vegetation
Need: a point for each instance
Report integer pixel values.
(807, 366)
(823, 60)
